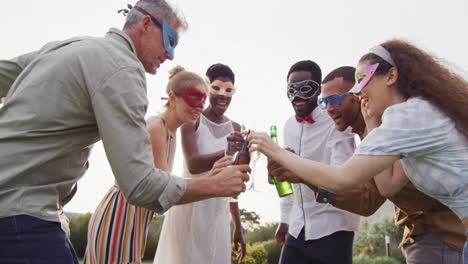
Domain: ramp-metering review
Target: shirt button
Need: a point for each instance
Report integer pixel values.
(325, 199)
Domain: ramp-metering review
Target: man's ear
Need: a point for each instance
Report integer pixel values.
(146, 22)
(392, 76)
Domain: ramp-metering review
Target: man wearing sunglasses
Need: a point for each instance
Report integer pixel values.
(65, 97)
(432, 232)
(313, 232)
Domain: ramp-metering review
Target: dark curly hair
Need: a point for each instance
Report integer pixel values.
(308, 66)
(220, 70)
(421, 74)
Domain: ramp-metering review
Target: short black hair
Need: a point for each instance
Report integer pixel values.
(220, 70)
(309, 66)
(346, 72)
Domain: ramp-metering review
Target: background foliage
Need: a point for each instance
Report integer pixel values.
(261, 243)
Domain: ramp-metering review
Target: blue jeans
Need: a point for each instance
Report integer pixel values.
(465, 250)
(27, 239)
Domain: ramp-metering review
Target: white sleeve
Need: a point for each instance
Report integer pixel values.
(341, 145)
(286, 204)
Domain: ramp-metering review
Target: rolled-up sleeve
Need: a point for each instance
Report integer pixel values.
(363, 200)
(11, 69)
(119, 106)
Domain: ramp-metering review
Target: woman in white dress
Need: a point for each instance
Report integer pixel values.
(199, 232)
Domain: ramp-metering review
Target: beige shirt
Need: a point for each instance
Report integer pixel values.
(61, 100)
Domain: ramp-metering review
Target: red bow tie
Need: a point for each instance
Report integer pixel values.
(308, 119)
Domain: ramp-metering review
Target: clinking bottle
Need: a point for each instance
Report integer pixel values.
(284, 188)
(243, 156)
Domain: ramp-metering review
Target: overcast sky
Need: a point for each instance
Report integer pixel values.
(260, 40)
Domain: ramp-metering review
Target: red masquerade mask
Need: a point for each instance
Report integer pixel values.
(192, 97)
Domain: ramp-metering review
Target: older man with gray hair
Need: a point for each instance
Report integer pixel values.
(65, 97)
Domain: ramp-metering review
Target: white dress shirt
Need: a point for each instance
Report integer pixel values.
(320, 142)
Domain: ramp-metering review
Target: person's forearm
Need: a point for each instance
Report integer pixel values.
(234, 208)
(391, 180)
(311, 172)
(203, 163)
(364, 200)
(357, 170)
(199, 189)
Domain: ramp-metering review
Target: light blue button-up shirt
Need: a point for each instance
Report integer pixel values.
(434, 153)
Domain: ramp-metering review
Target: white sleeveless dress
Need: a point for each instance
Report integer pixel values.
(199, 232)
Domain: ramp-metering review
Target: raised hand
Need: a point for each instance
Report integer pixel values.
(281, 233)
(372, 120)
(239, 245)
(235, 141)
(262, 142)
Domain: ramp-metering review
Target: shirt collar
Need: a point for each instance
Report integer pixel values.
(121, 37)
(317, 115)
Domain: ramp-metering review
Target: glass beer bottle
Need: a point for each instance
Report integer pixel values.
(284, 188)
(243, 156)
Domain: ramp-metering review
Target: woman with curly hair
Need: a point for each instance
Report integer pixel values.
(423, 107)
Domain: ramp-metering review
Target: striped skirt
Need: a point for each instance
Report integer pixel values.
(117, 231)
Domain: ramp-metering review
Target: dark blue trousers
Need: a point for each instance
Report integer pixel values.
(336, 248)
(465, 250)
(26, 239)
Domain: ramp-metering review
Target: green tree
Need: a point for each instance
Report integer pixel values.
(78, 233)
(273, 251)
(249, 219)
(261, 233)
(372, 238)
(364, 259)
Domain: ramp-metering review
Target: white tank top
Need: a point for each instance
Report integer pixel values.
(211, 138)
(199, 232)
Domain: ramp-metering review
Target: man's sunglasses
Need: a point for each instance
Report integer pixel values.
(334, 100)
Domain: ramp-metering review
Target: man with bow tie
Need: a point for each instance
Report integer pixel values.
(317, 232)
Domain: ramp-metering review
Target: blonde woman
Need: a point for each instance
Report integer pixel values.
(199, 232)
(117, 230)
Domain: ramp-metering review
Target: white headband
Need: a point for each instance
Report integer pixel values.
(382, 53)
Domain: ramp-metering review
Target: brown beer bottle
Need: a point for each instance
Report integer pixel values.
(243, 156)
